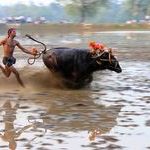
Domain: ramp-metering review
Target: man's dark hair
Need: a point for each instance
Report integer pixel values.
(10, 30)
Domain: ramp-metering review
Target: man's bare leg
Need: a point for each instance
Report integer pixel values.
(6, 71)
(2, 68)
(17, 75)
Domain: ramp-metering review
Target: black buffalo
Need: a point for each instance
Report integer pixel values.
(76, 66)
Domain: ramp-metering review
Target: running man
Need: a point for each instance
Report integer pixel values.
(9, 44)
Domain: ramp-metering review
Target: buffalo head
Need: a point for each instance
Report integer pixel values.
(107, 60)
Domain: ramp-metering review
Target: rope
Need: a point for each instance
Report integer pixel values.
(29, 36)
(33, 59)
(101, 59)
(110, 53)
(39, 54)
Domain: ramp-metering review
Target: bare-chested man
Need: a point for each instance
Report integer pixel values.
(9, 45)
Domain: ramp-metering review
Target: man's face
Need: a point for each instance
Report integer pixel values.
(13, 33)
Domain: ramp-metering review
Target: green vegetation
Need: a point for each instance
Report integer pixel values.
(137, 8)
(83, 11)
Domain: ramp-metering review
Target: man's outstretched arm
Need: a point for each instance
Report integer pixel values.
(25, 50)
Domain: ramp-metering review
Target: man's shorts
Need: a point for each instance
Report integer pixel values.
(9, 61)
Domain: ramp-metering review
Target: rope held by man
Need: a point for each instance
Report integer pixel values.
(39, 54)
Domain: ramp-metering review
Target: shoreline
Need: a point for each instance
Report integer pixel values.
(59, 27)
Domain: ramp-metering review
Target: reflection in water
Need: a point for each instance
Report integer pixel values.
(94, 133)
(10, 133)
(80, 117)
(55, 116)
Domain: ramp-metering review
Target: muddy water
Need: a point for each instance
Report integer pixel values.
(111, 113)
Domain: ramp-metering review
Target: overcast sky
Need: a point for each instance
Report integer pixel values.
(27, 2)
(11, 2)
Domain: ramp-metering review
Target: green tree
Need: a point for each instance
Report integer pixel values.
(83, 8)
(137, 8)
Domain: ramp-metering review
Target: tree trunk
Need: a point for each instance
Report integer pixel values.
(82, 9)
